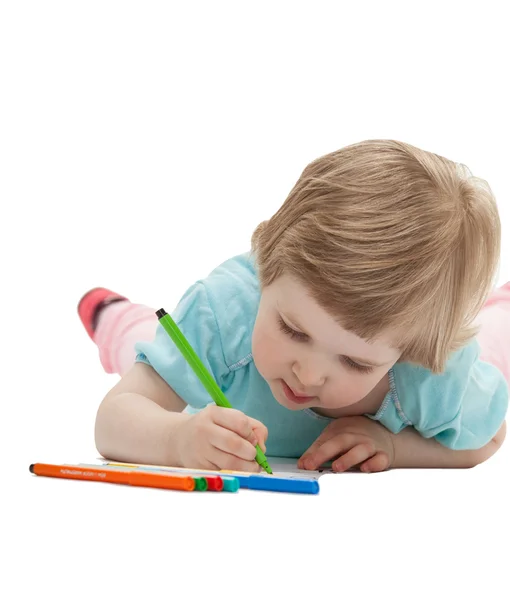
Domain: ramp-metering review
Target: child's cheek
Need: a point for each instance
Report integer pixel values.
(258, 350)
(346, 391)
(267, 353)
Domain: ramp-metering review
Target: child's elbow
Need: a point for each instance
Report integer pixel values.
(102, 433)
(499, 438)
(482, 454)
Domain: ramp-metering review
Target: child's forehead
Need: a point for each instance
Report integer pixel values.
(296, 304)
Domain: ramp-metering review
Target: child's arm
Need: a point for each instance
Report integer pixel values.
(414, 451)
(454, 420)
(361, 442)
(138, 418)
(141, 420)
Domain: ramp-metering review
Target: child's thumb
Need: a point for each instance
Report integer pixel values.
(262, 444)
(260, 431)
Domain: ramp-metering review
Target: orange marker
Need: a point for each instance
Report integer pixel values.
(138, 478)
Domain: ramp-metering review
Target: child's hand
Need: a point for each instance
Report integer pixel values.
(352, 441)
(221, 438)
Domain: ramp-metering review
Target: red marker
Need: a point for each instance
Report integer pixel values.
(214, 483)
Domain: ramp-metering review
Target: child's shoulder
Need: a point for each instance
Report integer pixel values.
(216, 315)
(462, 407)
(234, 278)
(233, 293)
(420, 380)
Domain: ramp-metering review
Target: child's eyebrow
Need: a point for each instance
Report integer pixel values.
(369, 363)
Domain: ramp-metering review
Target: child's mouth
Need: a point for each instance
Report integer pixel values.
(291, 396)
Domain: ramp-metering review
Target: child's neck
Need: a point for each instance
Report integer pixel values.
(369, 405)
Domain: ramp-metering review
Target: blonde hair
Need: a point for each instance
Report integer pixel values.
(385, 236)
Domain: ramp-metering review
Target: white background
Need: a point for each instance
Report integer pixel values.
(141, 143)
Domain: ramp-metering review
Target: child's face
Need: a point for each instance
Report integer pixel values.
(301, 351)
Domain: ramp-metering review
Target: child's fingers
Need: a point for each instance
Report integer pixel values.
(261, 433)
(262, 445)
(379, 462)
(228, 441)
(324, 437)
(356, 455)
(235, 421)
(316, 456)
(228, 462)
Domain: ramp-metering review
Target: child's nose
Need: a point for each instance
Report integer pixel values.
(309, 376)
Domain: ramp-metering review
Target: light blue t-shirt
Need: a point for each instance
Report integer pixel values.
(463, 408)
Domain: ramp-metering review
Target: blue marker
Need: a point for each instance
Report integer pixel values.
(279, 484)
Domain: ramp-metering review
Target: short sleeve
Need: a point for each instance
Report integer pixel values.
(197, 321)
(462, 408)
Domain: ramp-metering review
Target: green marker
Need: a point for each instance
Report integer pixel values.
(170, 326)
(200, 484)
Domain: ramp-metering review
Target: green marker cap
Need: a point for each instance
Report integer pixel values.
(200, 484)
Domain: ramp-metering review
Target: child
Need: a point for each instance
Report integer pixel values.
(357, 330)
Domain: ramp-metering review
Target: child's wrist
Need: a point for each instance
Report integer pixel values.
(176, 435)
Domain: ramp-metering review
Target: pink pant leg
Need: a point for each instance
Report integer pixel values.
(494, 335)
(121, 325)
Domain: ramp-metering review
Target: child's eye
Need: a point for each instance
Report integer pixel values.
(356, 366)
(295, 335)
